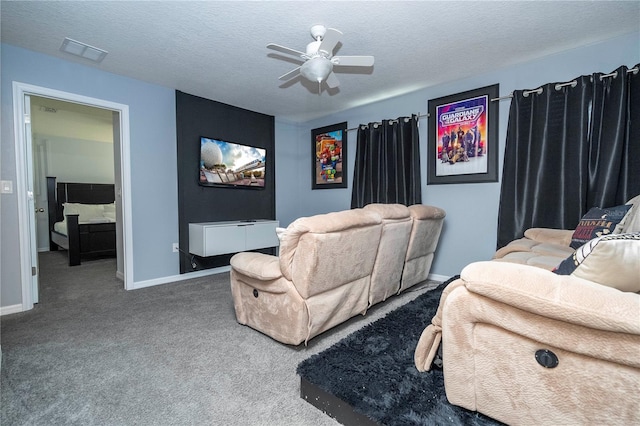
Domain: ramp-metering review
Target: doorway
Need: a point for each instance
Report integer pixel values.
(71, 142)
(25, 182)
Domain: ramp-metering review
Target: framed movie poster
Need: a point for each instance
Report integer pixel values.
(329, 155)
(463, 137)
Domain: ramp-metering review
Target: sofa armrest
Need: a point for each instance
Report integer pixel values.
(257, 265)
(548, 235)
(431, 336)
(561, 297)
(424, 212)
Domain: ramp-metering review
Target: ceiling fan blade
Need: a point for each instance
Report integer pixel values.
(294, 72)
(353, 61)
(332, 80)
(288, 50)
(329, 41)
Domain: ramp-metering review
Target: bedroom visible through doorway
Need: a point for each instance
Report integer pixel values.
(73, 143)
(25, 185)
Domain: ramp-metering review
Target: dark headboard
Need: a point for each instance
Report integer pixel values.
(59, 193)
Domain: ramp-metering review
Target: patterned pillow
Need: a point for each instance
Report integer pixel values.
(596, 223)
(612, 260)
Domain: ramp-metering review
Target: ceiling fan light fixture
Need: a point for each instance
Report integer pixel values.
(319, 60)
(316, 69)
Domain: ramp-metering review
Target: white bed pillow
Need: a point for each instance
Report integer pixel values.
(85, 212)
(110, 211)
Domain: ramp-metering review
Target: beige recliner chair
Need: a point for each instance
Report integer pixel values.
(425, 232)
(320, 279)
(529, 347)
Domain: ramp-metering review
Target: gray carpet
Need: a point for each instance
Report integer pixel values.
(91, 353)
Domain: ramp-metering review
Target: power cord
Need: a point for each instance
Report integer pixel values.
(194, 265)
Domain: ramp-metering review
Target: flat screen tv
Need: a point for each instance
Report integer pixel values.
(227, 164)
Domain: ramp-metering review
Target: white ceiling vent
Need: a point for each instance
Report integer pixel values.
(83, 50)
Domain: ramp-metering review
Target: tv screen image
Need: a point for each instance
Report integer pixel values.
(230, 164)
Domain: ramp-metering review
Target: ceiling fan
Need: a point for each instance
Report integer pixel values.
(318, 58)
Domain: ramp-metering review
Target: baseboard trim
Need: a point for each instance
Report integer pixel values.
(173, 278)
(120, 275)
(436, 277)
(12, 309)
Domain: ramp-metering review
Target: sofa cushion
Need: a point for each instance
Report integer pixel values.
(532, 259)
(389, 211)
(527, 251)
(612, 260)
(551, 236)
(598, 222)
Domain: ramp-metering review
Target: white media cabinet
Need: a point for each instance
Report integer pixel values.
(216, 238)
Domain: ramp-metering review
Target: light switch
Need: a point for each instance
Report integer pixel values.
(6, 187)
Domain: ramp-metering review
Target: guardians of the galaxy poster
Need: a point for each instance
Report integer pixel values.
(462, 142)
(461, 135)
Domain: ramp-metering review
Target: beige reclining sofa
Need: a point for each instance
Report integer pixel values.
(330, 268)
(527, 346)
(546, 248)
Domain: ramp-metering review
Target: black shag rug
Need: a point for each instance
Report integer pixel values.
(372, 373)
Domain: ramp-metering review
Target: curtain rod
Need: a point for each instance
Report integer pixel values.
(539, 90)
(572, 83)
(390, 121)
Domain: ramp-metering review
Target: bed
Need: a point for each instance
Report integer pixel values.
(81, 219)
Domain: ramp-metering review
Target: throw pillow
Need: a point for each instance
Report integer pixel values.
(598, 222)
(612, 260)
(631, 222)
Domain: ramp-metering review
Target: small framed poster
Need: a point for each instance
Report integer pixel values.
(329, 155)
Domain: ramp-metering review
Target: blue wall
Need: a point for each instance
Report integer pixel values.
(470, 228)
(472, 209)
(152, 154)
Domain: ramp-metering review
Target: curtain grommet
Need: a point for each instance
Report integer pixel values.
(612, 75)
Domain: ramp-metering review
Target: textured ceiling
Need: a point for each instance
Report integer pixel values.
(217, 49)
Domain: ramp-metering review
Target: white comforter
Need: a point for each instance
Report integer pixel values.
(61, 227)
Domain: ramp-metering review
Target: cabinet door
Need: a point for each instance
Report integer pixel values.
(224, 239)
(261, 235)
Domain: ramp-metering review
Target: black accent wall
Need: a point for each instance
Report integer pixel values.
(196, 117)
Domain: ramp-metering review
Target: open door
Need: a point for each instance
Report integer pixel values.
(31, 204)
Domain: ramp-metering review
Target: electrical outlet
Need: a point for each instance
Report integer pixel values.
(176, 247)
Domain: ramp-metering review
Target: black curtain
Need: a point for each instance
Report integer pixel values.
(387, 166)
(570, 147)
